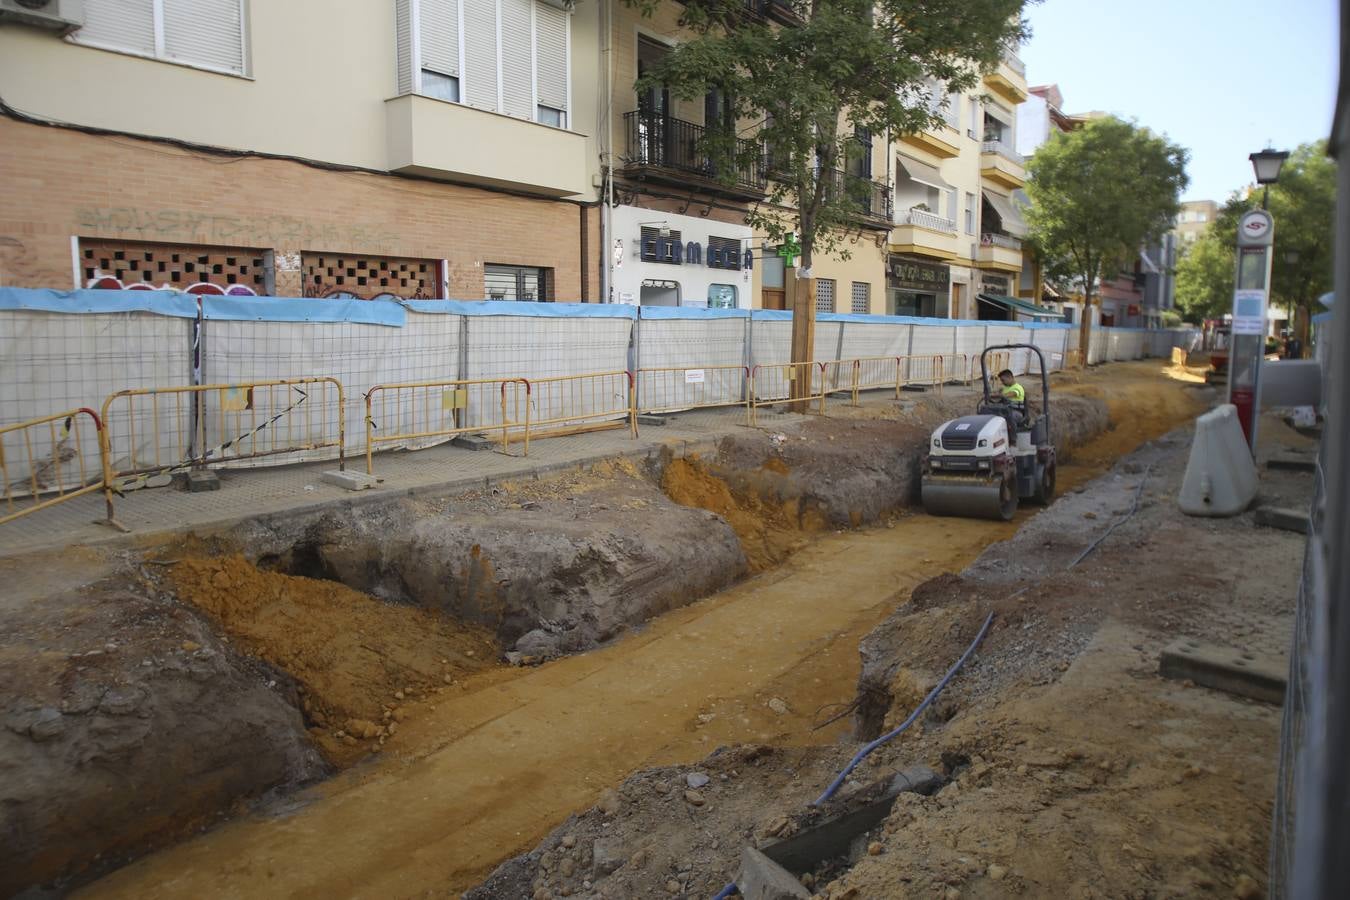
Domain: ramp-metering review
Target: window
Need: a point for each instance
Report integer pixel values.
(859, 160)
(507, 56)
(442, 87)
(517, 282)
(824, 295)
(132, 264)
(724, 253)
(970, 213)
(207, 34)
(1201, 217)
(974, 118)
(721, 296)
(662, 248)
(952, 200)
(862, 298)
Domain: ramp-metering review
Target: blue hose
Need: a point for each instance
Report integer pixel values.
(862, 754)
(932, 695)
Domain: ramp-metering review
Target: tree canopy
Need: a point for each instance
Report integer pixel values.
(1098, 194)
(849, 68)
(1205, 277)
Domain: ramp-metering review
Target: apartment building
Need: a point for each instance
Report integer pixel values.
(958, 231)
(1194, 218)
(320, 148)
(451, 149)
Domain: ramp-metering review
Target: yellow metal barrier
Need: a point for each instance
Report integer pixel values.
(998, 361)
(772, 384)
(151, 432)
(924, 370)
(50, 461)
(838, 376)
(701, 387)
(1073, 359)
(574, 404)
(412, 411)
(875, 372)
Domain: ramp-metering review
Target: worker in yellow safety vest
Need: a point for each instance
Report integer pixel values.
(1012, 391)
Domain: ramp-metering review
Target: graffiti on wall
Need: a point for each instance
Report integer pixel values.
(156, 224)
(102, 282)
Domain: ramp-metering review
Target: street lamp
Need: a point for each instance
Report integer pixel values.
(1267, 165)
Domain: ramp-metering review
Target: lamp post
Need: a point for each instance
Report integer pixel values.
(1251, 297)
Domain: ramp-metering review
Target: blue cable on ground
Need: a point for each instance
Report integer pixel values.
(932, 695)
(862, 754)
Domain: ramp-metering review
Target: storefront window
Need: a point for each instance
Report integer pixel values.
(721, 296)
(516, 282)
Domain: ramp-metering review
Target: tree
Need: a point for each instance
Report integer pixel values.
(1098, 194)
(1205, 277)
(847, 70)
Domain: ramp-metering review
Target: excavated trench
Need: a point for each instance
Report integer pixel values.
(246, 652)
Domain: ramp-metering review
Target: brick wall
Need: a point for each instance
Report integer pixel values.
(60, 184)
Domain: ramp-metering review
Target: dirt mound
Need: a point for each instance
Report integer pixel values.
(126, 723)
(361, 664)
(768, 528)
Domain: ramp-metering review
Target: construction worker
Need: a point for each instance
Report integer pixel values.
(1012, 391)
(1015, 396)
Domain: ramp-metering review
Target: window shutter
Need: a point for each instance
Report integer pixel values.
(124, 24)
(479, 84)
(403, 47)
(439, 22)
(205, 32)
(517, 61)
(550, 46)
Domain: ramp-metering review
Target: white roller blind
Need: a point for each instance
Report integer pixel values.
(551, 51)
(205, 32)
(517, 61)
(479, 87)
(124, 24)
(440, 36)
(403, 47)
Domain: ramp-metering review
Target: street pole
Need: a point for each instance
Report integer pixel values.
(1251, 300)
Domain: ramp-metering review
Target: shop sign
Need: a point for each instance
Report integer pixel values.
(913, 275)
(994, 284)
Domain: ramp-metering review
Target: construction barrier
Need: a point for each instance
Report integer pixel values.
(930, 370)
(838, 376)
(149, 433)
(417, 414)
(772, 384)
(573, 404)
(51, 461)
(874, 373)
(677, 389)
(996, 362)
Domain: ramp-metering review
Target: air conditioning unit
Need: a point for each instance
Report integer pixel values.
(60, 15)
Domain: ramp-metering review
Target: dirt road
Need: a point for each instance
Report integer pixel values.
(512, 754)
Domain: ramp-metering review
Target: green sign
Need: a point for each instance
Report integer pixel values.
(789, 249)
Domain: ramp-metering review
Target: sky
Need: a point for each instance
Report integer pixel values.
(1221, 78)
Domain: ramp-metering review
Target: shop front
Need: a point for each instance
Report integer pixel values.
(666, 259)
(917, 287)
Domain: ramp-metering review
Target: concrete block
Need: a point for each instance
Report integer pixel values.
(652, 420)
(199, 480)
(352, 481)
(1220, 475)
(916, 780)
(1251, 675)
(1277, 517)
(1291, 462)
(760, 878)
(472, 442)
(914, 388)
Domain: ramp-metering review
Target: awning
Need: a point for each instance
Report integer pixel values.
(923, 173)
(1008, 212)
(1012, 304)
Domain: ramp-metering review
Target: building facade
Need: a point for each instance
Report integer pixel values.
(463, 149)
(1194, 218)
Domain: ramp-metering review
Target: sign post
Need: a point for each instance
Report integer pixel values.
(1251, 298)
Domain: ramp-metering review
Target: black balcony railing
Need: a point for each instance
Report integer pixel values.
(660, 142)
(873, 198)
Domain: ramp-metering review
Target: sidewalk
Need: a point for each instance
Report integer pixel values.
(248, 493)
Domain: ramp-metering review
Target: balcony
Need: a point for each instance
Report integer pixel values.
(662, 148)
(872, 197)
(1003, 165)
(1013, 61)
(919, 232)
(999, 251)
(941, 142)
(426, 137)
(1009, 80)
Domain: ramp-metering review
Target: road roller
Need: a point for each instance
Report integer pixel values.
(980, 466)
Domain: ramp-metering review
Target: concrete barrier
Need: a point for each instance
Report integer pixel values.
(1220, 475)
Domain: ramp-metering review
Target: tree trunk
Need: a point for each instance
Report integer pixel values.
(1085, 325)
